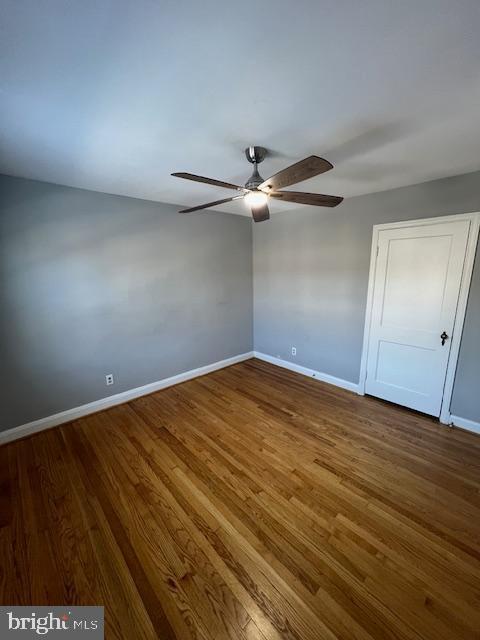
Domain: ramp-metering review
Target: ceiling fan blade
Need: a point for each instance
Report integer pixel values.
(210, 204)
(316, 199)
(215, 183)
(306, 168)
(260, 213)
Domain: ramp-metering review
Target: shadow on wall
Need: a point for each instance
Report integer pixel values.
(92, 284)
(61, 275)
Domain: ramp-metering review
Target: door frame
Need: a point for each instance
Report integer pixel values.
(473, 233)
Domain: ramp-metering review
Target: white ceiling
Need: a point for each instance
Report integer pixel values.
(114, 95)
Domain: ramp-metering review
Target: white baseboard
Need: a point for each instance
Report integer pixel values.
(311, 373)
(119, 398)
(457, 421)
(463, 423)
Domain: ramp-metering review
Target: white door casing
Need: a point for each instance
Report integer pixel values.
(419, 280)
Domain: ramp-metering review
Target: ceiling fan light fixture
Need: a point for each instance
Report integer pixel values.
(256, 198)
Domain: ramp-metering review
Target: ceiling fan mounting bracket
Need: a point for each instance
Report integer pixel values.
(255, 155)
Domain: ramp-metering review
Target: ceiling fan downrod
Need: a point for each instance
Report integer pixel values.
(255, 155)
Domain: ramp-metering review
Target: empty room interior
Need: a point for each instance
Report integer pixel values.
(240, 320)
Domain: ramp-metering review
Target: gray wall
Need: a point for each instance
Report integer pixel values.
(311, 276)
(93, 284)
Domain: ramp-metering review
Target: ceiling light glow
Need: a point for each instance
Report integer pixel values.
(256, 198)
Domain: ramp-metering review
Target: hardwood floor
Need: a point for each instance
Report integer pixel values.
(251, 503)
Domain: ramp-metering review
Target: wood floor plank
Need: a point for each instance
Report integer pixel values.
(251, 503)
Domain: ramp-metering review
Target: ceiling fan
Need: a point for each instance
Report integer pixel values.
(257, 191)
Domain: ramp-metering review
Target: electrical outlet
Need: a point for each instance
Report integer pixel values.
(109, 379)
(294, 351)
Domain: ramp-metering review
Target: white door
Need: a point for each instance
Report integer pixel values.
(416, 289)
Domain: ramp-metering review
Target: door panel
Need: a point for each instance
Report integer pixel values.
(415, 301)
(416, 288)
(393, 359)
